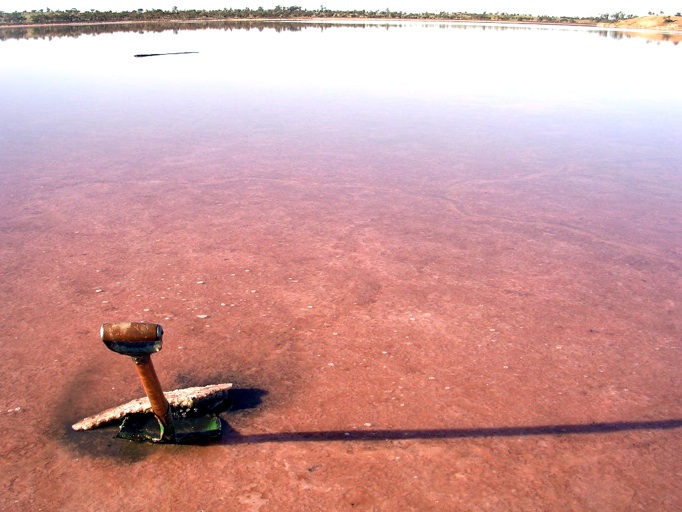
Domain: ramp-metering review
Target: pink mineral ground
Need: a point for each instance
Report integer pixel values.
(440, 338)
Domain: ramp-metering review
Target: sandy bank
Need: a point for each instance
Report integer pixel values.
(665, 23)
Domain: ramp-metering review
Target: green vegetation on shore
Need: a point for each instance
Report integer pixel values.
(294, 12)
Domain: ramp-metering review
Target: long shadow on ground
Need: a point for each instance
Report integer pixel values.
(450, 433)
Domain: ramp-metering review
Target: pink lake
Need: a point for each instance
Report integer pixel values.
(442, 270)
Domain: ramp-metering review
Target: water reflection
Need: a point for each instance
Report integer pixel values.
(52, 31)
(650, 36)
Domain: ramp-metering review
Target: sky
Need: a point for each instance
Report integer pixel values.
(549, 7)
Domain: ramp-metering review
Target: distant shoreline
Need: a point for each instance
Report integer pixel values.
(646, 23)
(296, 14)
(300, 20)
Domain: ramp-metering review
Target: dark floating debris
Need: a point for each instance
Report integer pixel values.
(159, 54)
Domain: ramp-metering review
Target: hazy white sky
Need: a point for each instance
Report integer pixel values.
(550, 7)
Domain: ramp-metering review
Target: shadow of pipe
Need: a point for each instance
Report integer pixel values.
(232, 437)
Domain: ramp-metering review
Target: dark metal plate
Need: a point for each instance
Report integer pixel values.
(188, 430)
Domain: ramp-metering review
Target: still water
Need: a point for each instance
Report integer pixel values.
(421, 250)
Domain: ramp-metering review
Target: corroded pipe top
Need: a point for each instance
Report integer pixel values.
(132, 338)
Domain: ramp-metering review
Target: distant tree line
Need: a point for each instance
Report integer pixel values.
(49, 16)
(612, 18)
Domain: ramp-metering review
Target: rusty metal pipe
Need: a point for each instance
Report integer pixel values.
(139, 341)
